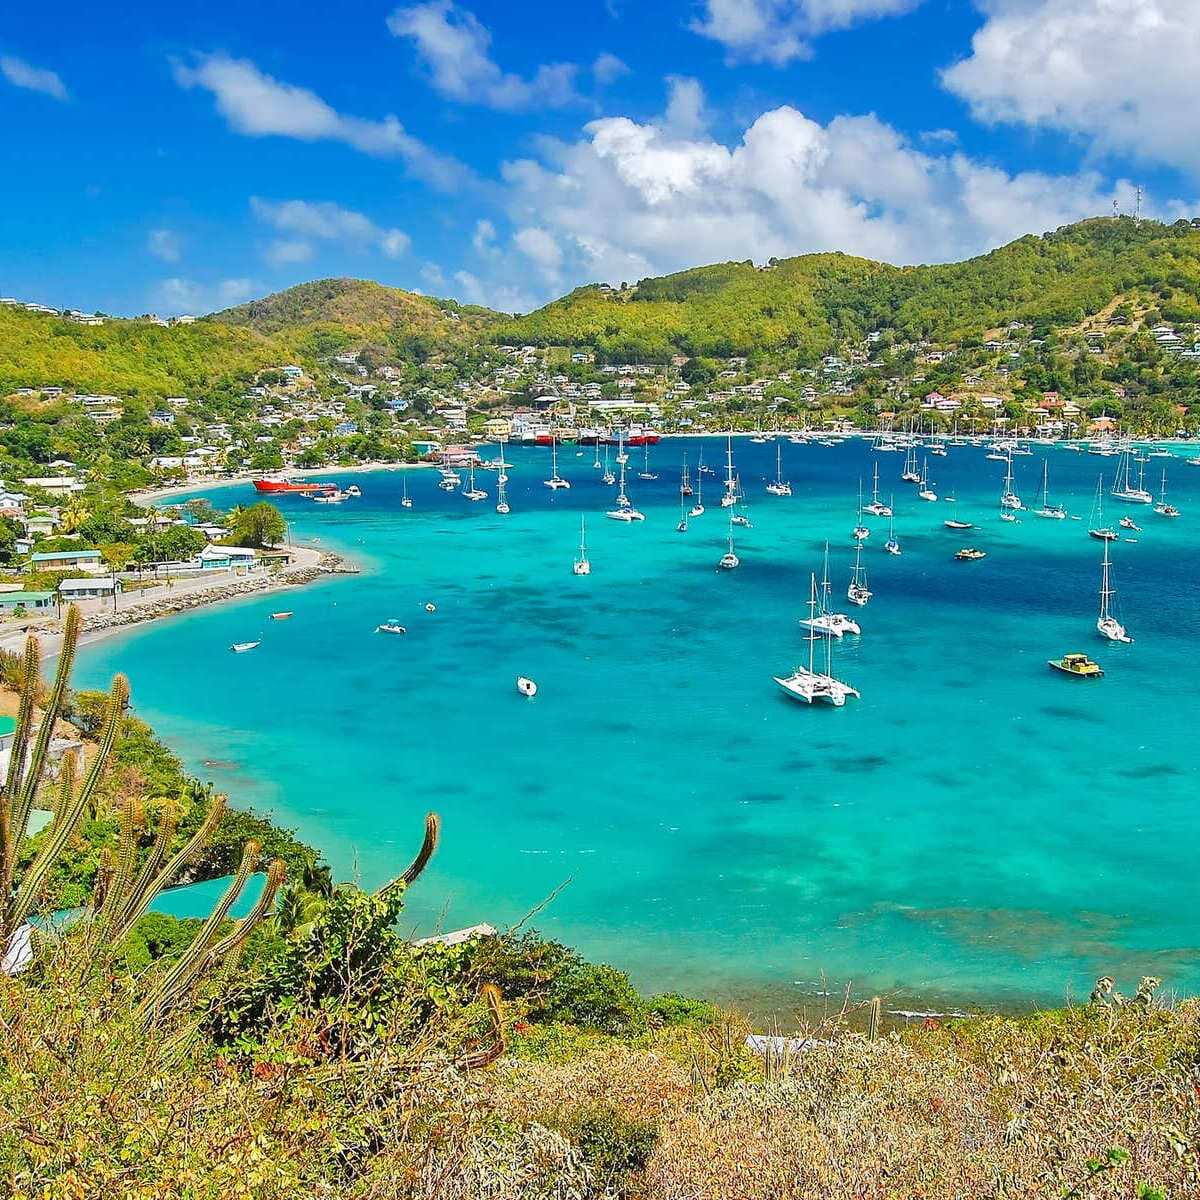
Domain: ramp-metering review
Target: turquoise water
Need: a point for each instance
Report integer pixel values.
(974, 829)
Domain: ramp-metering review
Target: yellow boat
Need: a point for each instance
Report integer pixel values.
(1078, 665)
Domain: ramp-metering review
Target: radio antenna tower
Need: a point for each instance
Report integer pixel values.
(1137, 215)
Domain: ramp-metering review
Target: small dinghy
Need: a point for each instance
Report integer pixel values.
(390, 627)
(526, 686)
(431, 607)
(283, 616)
(242, 647)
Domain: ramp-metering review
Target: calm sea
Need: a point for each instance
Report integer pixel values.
(975, 829)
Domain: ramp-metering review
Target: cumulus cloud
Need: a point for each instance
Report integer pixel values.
(34, 79)
(503, 297)
(629, 199)
(257, 105)
(456, 51)
(301, 222)
(779, 31)
(165, 244)
(180, 295)
(1121, 73)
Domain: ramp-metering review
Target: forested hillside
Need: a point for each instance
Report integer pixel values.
(813, 302)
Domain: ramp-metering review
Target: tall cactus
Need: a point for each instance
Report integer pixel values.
(874, 1016)
(123, 890)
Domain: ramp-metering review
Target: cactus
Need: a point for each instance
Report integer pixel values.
(123, 891)
(433, 826)
(874, 1013)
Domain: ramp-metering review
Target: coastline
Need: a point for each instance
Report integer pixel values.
(170, 599)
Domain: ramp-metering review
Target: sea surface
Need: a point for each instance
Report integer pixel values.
(975, 830)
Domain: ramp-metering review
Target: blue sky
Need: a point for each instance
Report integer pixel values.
(181, 158)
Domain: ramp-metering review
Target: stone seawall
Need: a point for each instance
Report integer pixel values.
(167, 605)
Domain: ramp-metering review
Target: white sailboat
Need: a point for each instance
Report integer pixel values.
(1096, 525)
(730, 498)
(1106, 624)
(860, 531)
(645, 472)
(624, 510)
(1054, 512)
(779, 486)
(1162, 507)
(596, 460)
(473, 493)
(858, 592)
(910, 473)
(891, 545)
(729, 560)
(1009, 499)
(608, 477)
(501, 495)
(1123, 487)
(832, 624)
(622, 456)
(697, 509)
(685, 479)
(808, 684)
(925, 491)
(737, 517)
(877, 508)
(582, 566)
(405, 499)
(683, 513)
(555, 481)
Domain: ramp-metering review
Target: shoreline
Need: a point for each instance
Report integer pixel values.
(150, 495)
(100, 623)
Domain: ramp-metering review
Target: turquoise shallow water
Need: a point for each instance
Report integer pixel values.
(974, 829)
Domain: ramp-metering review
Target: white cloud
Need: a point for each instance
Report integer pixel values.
(503, 297)
(34, 79)
(628, 200)
(607, 68)
(779, 31)
(540, 248)
(484, 236)
(455, 48)
(179, 295)
(257, 105)
(1121, 73)
(302, 222)
(165, 244)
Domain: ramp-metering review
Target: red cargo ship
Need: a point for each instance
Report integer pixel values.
(275, 486)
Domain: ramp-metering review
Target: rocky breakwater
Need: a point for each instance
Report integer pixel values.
(186, 595)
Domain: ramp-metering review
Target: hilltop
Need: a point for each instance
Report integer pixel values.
(813, 302)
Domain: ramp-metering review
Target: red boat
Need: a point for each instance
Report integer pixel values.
(635, 437)
(275, 486)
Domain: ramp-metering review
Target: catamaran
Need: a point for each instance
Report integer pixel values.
(877, 508)
(645, 472)
(1055, 512)
(555, 481)
(832, 624)
(729, 559)
(1106, 624)
(779, 486)
(581, 565)
(858, 592)
(730, 498)
(406, 499)
(1162, 507)
(910, 473)
(926, 491)
(806, 683)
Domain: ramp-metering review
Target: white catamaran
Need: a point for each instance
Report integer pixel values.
(808, 684)
(877, 508)
(780, 486)
(1055, 512)
(858, 592)
(729, 559)
(1123, 487)
(832, 624)
(1162, 507)
(555, 481)
(624, 510)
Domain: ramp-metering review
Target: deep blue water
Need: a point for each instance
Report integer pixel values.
(974, 829)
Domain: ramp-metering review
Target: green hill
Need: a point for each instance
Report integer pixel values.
(125, 357)
(812, 302)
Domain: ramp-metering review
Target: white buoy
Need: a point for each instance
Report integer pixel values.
(431, 607)
(526, 686)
